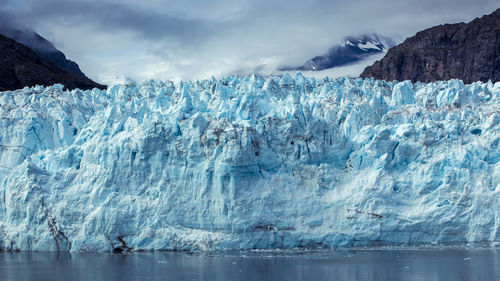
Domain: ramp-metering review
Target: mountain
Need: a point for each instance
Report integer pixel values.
(20, 66)
(41, 47)
(244, 163)
(353, 50)
(467, 51)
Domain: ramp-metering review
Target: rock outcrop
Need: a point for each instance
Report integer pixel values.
(470, 52)
(20, 66)
(42, 47)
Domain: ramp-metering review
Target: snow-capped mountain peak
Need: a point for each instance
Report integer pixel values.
(365, 45)
(353, 50)
(348, 43)
(371, 45)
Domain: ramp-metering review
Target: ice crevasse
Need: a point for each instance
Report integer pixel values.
(253, 162)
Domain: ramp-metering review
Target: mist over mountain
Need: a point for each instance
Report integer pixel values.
(41, 47)
(20, 66)
(351, 51)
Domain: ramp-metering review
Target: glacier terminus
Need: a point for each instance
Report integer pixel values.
(249, 162)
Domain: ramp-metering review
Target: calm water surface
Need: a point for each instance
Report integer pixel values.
(375, 264)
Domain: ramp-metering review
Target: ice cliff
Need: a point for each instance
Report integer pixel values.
(253, 162)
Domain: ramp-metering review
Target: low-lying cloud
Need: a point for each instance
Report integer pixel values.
(113, 40)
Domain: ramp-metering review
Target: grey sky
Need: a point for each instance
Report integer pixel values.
(114, 39)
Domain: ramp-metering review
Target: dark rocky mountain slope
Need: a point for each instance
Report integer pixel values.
(41, 47)
(20, 66)
(470, 52)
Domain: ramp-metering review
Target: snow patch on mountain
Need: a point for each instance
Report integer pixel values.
(370, 45)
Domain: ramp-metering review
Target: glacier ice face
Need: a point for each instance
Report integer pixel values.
(253, 162)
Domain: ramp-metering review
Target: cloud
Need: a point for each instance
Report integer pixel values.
(148, 23)
(191, 39)
(7, 20)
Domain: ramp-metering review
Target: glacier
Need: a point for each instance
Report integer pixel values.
(249, 162)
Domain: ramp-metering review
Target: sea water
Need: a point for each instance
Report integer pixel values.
(450, 263)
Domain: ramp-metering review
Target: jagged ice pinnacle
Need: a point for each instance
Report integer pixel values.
(253, 162)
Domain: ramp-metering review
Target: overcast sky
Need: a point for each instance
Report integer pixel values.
(194, 39)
